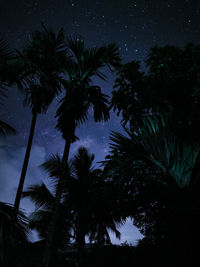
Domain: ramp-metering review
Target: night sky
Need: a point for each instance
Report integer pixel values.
(135, 26)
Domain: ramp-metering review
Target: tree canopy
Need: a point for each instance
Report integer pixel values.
(170, 84)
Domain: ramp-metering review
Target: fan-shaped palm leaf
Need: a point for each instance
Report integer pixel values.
(152, 145)
(89, 62)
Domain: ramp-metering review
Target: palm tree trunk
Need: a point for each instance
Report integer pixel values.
(52, 226)
(25, 164)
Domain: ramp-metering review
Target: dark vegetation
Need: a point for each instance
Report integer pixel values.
(152, 172)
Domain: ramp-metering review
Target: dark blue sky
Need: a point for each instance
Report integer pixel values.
(135, 26)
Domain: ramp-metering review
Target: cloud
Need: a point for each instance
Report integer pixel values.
(11, 160)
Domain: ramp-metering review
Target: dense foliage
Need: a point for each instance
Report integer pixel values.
(170, 85)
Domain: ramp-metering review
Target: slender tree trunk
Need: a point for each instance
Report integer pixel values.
(25, 163)
(48, 250)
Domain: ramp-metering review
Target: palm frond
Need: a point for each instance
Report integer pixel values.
(12, 227)
(39, 220)
(86, 63)
(40, 195)
(53, 166)
(6, 129)
(5, 52)
(152, 145)
(77, 47)
(5, 56)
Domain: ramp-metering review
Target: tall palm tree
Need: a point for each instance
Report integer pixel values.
(43, 58)
(88, 192)
(81, 67)
(13, 229)
(152, 154)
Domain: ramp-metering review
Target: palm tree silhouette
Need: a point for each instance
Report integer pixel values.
(88, 192)
(43, 59)
(83, 207)
(81, 67)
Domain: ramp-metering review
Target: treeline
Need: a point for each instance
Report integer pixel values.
(151, 173)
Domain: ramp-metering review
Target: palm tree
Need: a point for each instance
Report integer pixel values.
(81, 67)
(84, 203)
(43, 58)
(151, 154)
(88, 192)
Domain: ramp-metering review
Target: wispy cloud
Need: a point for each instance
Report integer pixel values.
(11, 160)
